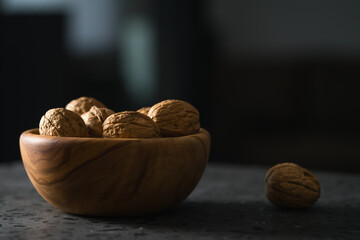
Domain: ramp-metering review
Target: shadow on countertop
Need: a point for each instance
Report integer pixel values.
(256, 219)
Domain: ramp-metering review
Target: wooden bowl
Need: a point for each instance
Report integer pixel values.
(114, 176)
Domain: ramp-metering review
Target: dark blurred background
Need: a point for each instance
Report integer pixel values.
(274, 81)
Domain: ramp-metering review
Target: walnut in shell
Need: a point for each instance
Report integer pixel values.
(94, 120)
(83, 104)
(290, 186)
(130, 124)
(63, 123)
(144, 110)
(175, 118)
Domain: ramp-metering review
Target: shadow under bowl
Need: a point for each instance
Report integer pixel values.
(114, 176)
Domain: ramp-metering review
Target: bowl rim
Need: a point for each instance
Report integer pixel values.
(34, 133)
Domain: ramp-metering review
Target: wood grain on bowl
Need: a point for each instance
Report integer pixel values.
(121, 177)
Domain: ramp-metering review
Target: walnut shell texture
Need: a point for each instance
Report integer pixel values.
(63, 123)
(94, 120)
(175, 118)
(130, 124)
(144, 110)
(83, 104)
(290, 186)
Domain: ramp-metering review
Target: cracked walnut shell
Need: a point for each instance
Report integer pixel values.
(290, 186)
(82, 105)
(63, 123)
(130, 124)
(175, 118)
(94, 119)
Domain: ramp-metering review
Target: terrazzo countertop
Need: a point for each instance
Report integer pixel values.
(229, 203)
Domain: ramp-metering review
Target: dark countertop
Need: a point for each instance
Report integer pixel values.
(229, 203)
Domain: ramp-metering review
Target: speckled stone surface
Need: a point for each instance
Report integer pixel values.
(229, 203)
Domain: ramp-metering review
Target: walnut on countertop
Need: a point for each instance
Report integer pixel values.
(63, 123)
(130, 124)
(94, 119)
(175, 118)
(144, 110)
(290, 186)
(82, 105)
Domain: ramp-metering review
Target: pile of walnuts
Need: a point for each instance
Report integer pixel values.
(287, 185)
(88, 117)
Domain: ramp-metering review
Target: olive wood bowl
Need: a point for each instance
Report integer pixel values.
(114, 176)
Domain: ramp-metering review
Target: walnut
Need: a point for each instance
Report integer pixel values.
(175, 118)
(83, 104)
(94, 120)
(62, 122)
(144, 110)
(290, 186)
(130, 124)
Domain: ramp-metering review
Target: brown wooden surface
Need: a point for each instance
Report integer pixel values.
(102, 176)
